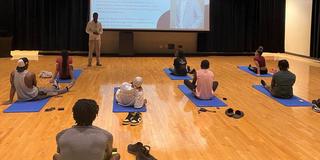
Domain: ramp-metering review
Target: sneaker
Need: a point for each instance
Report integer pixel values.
(127, 120)
(144, 154)
(315, 108)
(99, 64)
(263, 83)
(135, 148)
(55, 84)
(136, 120)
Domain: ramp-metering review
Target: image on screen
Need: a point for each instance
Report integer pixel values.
(168, 15)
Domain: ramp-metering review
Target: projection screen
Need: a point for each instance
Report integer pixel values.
(161, 15)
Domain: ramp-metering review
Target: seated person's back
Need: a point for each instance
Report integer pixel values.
(131, 94)
(64, 65)
(84, 141)
(204, 84)
(24, 81)
(282, 83)
(180, 65)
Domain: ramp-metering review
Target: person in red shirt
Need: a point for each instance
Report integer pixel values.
(260, 63)
(64, 68)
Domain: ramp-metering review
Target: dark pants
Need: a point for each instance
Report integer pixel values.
(255, 70)
(192, 86)
(44, 93)
(173, 72)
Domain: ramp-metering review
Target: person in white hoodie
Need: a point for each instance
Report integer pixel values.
(132, 95)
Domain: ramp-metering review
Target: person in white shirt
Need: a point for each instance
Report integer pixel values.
(131, 95)
(188, 14)
(95, 30)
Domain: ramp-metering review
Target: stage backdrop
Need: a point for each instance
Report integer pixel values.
(237, 25)
(50, 25)
(243, 25)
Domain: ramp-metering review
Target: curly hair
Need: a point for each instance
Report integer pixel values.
(85, 111)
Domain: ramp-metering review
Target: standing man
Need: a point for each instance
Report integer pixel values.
(95, 30)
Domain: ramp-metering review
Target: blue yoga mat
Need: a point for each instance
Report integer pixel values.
(29, 106)
(76, 75)
(214, 102)
(292, 102)
(117, 108)
(245, 68)
(173, 77)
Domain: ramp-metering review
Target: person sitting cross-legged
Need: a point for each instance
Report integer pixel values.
(282, 81)
(203, 84)
(132, 95)
(84, 141)
(24, 83)
(64, 68)
(180, 63)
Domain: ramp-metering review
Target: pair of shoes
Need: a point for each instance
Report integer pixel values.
(236, 115)
(142, 152)
(133, 119)
(263, 83)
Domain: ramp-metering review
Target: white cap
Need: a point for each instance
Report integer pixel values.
(137, 82)
(21, 63)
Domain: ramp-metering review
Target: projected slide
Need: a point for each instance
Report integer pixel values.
(190, 15)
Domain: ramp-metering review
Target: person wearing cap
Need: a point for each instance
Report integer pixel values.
(24, 83)
(95, 30)
(259, 62)
(131, 95)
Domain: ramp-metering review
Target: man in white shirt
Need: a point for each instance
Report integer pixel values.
(188, 14)
(95, 30)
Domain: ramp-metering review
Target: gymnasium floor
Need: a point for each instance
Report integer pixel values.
(172, 125)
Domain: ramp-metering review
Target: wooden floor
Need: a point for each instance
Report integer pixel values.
(172, 125)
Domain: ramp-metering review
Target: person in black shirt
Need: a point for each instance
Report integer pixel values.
(180, 63)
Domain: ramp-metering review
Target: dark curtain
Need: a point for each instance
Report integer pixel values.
(243, 25)
(315, 31)
(50, 24)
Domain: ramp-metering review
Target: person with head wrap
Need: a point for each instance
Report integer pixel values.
(131, 95)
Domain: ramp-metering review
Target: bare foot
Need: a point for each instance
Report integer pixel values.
(7, 102)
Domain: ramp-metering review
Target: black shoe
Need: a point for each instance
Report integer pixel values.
(315, 108)
(144, 154)
(263, 83)
(99, 64)
(136, 120)
(128, 119)
(229, 112)
(238, 114)
(135, 148)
